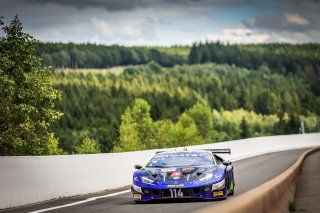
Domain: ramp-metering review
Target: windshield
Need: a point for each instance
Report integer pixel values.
(181, 160)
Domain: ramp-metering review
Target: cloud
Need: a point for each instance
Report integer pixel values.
(306, 8)
(239, 35)
(121, 30)
(296, 20)
(287, 22)
(166, 22)
(119, 5)
(291, 15)
(245, 35)
(111, 5)
(295, 37)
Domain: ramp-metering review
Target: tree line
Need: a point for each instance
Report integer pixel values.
(71, 55)
(302, 60)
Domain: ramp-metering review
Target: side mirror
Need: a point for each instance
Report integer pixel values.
(137, 166)
(226, 163)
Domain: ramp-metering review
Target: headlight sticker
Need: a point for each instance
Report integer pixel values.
(206, 178)
(146, 180)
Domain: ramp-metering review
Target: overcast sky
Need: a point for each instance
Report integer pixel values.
(167, 22)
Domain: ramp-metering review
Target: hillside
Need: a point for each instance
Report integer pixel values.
(270, 103)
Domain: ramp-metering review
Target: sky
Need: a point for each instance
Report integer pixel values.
(167, 22)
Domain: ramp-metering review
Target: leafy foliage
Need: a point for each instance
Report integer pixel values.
(27, 96)
(138, 131)
(87, 146)
(136, 127)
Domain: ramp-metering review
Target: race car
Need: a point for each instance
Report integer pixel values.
(184, 174)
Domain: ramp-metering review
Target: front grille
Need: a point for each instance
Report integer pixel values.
(151, 191)
(155, 192)
(196, 190)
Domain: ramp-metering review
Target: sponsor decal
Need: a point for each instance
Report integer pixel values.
(137, 196)
(168, 170)
(187, 169)
(221, 150)
(175, 185)
(175, 174)
(218, 193)
(180, 155)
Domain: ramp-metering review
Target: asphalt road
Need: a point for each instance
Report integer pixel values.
(249, 173)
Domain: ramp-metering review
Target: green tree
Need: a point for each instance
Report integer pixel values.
(202, 117)
(136, 128)
(292, 125)
(185, 132)
(27, 96)
(163, 134)
(87, 146)
(244, 128)
(52, 146)
(194, 56)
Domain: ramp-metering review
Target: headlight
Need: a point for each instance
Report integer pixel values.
(206, 178)
(146, 180)
(137, 188)
(218, 185)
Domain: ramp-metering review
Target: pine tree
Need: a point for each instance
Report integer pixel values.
(244, 128)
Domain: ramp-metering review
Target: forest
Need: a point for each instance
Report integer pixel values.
(199, 103)
(156, 97)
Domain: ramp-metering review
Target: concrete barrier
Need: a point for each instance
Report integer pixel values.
(32, 179)
(273, 196)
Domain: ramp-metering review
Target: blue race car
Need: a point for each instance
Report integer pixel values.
(184, 174)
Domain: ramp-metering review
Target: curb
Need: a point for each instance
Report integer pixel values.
(273, 196)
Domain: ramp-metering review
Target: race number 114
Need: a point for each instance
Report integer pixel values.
(176, 193)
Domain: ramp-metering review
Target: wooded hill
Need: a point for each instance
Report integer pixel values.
(269, 103)
(244, 91)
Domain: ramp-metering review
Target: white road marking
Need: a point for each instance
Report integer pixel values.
(80, 202)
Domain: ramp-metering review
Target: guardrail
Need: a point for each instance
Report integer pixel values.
(275, 195)
(32, 179)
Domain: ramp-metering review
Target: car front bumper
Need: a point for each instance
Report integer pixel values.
(203, 192)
